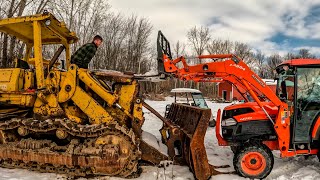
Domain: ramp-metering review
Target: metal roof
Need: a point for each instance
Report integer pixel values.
(185, 90)
(52, 30)
(301, 62)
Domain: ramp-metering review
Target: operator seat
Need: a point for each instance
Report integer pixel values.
(22, 64)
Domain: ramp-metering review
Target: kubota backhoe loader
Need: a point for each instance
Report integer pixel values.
(49, 123)
(288, 120)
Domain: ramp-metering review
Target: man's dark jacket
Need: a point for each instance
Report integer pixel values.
(83, 55)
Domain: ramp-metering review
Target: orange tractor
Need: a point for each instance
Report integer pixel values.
(287, 120)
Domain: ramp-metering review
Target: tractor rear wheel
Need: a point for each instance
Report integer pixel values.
(253, 161)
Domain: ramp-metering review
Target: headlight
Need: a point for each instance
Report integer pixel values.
(48, 22)
(228, 122)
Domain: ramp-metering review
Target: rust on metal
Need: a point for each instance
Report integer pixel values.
(104, 149)
(113, 76)
(186, 143)
(151, 154)
(13, 112)
(156, 113)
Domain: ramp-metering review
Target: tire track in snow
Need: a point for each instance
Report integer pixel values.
(295, 168)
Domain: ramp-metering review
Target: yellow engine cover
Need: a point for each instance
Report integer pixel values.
(11, 79)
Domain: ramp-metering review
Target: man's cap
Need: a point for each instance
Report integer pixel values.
(97, 37)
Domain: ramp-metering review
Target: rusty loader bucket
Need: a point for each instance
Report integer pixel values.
(183, 133)
(185, 138)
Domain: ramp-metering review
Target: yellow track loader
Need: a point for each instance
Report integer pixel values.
(50, 123)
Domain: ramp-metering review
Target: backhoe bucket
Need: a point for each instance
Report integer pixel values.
(185, 139)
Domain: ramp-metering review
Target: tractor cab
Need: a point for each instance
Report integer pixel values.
(190, 97)
(27, 79)
(36, 32)
(299, 86)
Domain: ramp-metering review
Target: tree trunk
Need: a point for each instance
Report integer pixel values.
(10, 58)
(4, 51)
(5, 62)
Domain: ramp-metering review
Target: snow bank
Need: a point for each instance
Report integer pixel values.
(22, 174)
(154, 142)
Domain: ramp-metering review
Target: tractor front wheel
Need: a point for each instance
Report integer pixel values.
(253, 161)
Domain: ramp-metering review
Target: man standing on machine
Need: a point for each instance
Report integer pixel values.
(85, 53)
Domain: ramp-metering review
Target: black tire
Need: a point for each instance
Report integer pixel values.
(318, 154)
(212, 123)
(253, 161)
(234, 149)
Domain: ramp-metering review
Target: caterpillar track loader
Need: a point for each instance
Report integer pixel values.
(80, 122)
(288, 120)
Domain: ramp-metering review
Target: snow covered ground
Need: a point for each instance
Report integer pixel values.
(291, 168)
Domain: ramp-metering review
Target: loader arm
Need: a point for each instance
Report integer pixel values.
(230, 68)
(224, 67)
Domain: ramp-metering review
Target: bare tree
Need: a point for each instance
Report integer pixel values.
(179, 49)
(302, 53)
(199, 38)
(305, 53)
(126, 46)
(41, 6)
(244, 51)
(260, 60)
(84, 17)
(139, 34)
(112, 48)
(290, 56)
(9, 13)
(218, 46)
(11, 47)
(10, 9)
(272, 62)
(20, 8)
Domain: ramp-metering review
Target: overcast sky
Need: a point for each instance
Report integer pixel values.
(273, 26)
